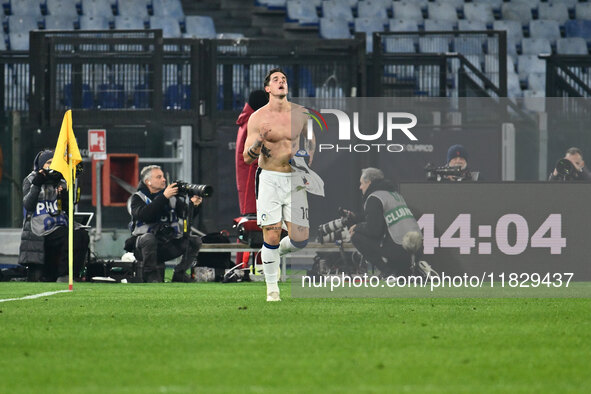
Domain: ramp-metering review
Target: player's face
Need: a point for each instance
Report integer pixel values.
(577, 161)
(157, 180)
(458, 161)
(363, 185)
(277, 85)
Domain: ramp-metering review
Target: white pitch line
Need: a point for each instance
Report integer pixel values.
(33, 296)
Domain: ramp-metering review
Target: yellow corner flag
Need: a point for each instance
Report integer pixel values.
(65, 158)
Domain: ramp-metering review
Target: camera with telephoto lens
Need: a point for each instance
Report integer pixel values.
(441, 173)
(336, 230)
(51, 176)
(566, 170)
(191, 190)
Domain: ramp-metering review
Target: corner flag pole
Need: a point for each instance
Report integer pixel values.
(70, 223)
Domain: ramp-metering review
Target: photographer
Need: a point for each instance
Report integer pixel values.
(44, 240)
(571, 167)
(389, 235)
(158, 213)
(455, 169)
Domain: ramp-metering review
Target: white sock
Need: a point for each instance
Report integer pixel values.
(270, 257)
(286, 246)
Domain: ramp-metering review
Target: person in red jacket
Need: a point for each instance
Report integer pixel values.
(245, 173)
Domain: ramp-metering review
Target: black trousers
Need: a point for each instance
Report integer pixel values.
(151, 254)
(56, 255)
(398, 260)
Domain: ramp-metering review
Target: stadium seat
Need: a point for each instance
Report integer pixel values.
(468, 45)
(110, 95)
(337, 10)
(578, 28)
(442, 11)
(407, 10)
(534, 46)
(59, 22)
(530, 64)
(199, 27)
(516, 11)
(491, 64)
(433, 45)
(169, 25)
(478, 12)
(19, 41)
(548, 29)
(492, 46)
(571, 46)
(513, 28)
(369, 26)
(513, 85)
(465, 25)
(94, 23)
(399, 45)
(129, 23)
(457, 4)
(178, 97)
(570, 4)
(87, 96)
(168, 8)
(373, 9)
(302, 12)
(554, 11)
(334, 29)
(494, 4)
(403, 25)
(62, 8)
(536, 81)
(97, 7)
(25, 7)
(134, 8)
(275, 4)
(438, 25)
(22, 24)
(534, 100)
(583, 11)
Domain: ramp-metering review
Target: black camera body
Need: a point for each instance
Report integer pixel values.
(52, 177)
(337, 230)
(566, 170)
(442, 173)
(191, 190)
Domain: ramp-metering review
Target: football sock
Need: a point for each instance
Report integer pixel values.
(270, 257)
(287, 245)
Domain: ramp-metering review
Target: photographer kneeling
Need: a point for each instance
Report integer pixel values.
(389, 235)
(158, 229)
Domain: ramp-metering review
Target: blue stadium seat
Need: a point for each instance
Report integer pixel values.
(513, 85)
(407, 10)
(494, 4)
(129, 23)
(87, 96)
(302, 12)
(403, 25)
(438, 25)
(19, 41)
(334, 28)
(337, 10)
(578, 28)
(457, 4)
(94, 23)
(369, 26)
(134, 8)
(534, 46)
(433, 45)
(571, 46)
(178, 97)
(478, 12)
(468, 45)
(169, 25)
(62, 8)
(374, 9)
(169, 8)
(442, 11)
(530, 64)
(59, 22)
(583, 11)
(275, 4)
(570, 4)
(399, 45)
(513, 28)
(25, 7)
(554, 11)
(536, 81)
(199, 26)
(22, 24)
(544, 29)
(465, 25)
(520, 12)
(97, 7)
(110, 95)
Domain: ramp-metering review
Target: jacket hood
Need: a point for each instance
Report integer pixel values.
(244, 115)
(380, 184)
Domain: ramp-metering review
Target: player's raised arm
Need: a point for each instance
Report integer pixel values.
(254, 142)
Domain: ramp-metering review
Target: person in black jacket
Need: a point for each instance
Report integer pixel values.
(158, 227)
(571, 167)
(389, 234)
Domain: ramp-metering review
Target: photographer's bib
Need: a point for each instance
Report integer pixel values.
(169, 219)
(399, 218)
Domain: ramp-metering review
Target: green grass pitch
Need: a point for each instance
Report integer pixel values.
(224, 338)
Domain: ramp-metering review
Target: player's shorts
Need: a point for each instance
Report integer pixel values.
(281, 196)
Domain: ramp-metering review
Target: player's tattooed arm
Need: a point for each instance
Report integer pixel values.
(265, 151)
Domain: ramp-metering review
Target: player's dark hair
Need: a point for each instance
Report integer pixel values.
(271, 72)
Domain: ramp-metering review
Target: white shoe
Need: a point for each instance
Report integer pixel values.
(273, 296)
(427, 270)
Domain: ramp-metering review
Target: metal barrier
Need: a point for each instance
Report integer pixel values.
(568, 75)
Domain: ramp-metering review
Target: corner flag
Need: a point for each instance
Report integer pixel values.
(65, 158)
